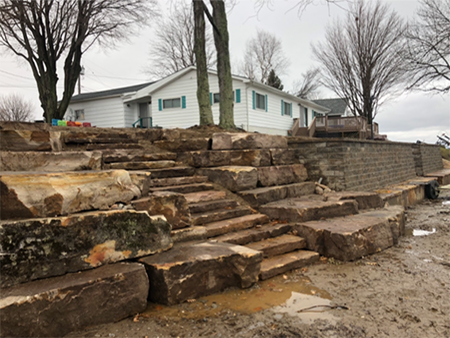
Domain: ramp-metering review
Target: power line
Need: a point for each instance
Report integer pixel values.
(19, 76)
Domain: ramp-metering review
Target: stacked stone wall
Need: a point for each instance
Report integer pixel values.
(427, 158)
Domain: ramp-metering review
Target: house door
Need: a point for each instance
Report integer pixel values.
(306, 117)
(144, 115)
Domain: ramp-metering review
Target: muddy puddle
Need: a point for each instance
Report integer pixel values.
(281, 294)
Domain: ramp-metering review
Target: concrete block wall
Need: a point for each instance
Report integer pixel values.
(427, 158)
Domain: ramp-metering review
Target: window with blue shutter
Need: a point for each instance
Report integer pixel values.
(266, 102)
(160, 104)
(238, 96)
(211, 98)
(254, 99)
(282, 107)
(183, 102)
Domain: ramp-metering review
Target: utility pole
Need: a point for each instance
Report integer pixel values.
(79, 80)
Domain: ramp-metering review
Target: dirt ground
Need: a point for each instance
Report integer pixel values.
(401, 292)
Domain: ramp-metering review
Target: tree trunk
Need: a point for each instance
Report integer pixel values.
(203, 98)
(223, 64)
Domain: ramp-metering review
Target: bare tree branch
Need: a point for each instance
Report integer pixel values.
(427, 54)
(15, 108)
(360, 57)
(308, 86)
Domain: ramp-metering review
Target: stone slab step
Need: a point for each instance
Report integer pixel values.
(308, 208)
(254, 235)
(349, 238)
(260, 196)
(204, 196)
(207, 206)
(219, 215)
(442, 176)
(277, 265)
(190, 234)
(192, 270)
(135, 155)
(365, 200)
(281, 174)
(110, 146)
(186, 188)
(182, 145)
(173, 172)
(165, 182)
(226, 141)
(235, 224)
(53, 307)
(141, 165)
(45, 247)
(278, 245)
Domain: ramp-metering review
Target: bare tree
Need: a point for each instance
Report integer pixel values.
(427, 54)
(300, 5)
(360, 57)
(15, 108)
(172, 48)
(42, 32)
(308, 86)
(263, 54)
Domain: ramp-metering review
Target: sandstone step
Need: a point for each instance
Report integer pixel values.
(80, 138)
(185, 188)
(233, 178)
(203, 207)
(110, 146)
(193, 270)
(349, 238)
(53, 307)
(173, 172)
(50, 161)
(365, 200)
(204, 196)
(181, 145)
(220, 215)
(189, 234)
(281, 174)
(25, 140)
(442, 176)
(218, 158)
(136, 155)
(28, 195)
(235, 224)
(260, 196)
(164, 182)
(277, 265)
(135, 165)
(278, 245)
(45, 247)
(308, 208)
(228, 141)
(254, 235)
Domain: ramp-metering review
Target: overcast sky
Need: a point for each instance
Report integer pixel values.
(411, 117)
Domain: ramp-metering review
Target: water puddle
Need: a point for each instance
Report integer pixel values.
(283, 296)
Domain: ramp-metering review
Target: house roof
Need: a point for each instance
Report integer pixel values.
(109, 92)
(337, 105)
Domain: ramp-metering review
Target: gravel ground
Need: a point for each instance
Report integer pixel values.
(401, 292)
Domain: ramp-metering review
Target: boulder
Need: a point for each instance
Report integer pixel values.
(228, 141)
(120, 155)
(233, 178)
(172, 205)
(365, 200)
(217, 158)
(50, 161)
(141, 179)
(56, 306)
(180, 145)
(82, 136)
(25, 140)
(38, 248)
(285, 156)
(354, 236)
(28, 195)
(189, 271)
(140, 165)
(279, 175)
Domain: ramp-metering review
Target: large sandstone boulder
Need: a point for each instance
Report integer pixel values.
(195, 270)
(25, 140)
(28, 195)
(38, 248)
(234, 178)
(217, 158)
(50, 161)
(282, 174)
(121, 155)
(56, 306)
(227, 141)
(172, 205)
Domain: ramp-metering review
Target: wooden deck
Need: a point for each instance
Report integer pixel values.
(332, 126)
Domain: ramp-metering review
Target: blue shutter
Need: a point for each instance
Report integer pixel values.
(266, 102)
(282, 107)
(254, 97)
(159, 104)
(238, 96)
(183, 102)
(211, 98)
(291, 108)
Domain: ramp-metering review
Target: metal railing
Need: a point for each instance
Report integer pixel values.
(143, 122)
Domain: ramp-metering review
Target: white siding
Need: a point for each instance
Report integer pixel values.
(104, 113)
(185, 118)
(270, 121)
(131, 111)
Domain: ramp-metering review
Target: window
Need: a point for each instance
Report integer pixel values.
(171, 103)
(287, 109)
(260, 101)
(79, 114)
(215, 98)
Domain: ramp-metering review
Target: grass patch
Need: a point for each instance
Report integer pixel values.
(445, 153)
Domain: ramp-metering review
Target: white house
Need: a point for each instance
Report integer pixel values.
(172, 103)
